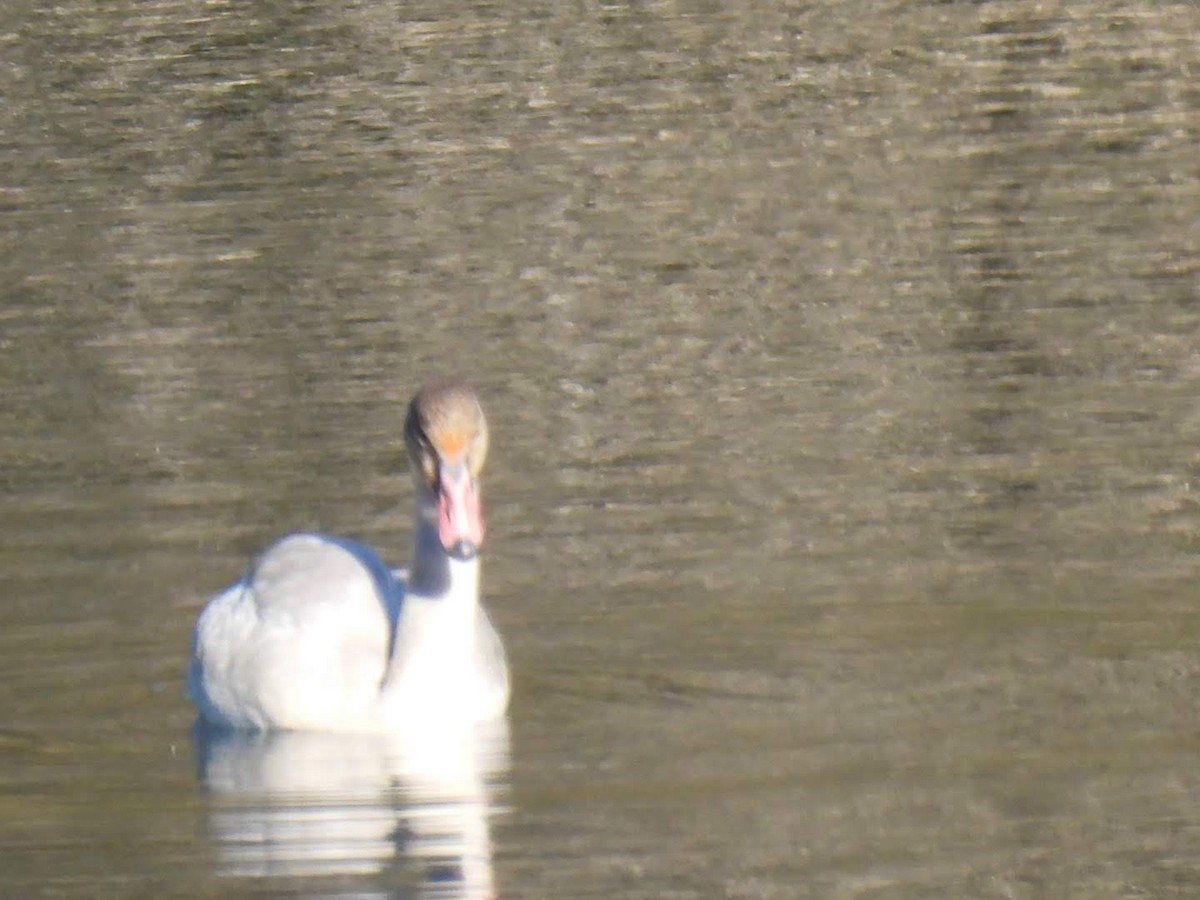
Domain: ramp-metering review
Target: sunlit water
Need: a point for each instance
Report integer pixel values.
(365, 814)
(842, 366)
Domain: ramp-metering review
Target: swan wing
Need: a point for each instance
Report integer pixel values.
(303, 641)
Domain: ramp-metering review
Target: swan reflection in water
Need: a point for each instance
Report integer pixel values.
(410, 817)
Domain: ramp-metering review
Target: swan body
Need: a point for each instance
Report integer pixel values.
(321, 635)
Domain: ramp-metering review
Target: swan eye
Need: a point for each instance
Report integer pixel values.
(477, 451)
(421, 453)
(428, 463)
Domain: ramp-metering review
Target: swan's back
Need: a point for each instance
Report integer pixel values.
(303, 641)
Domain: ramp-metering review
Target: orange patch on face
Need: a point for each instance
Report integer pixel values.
(451, 445)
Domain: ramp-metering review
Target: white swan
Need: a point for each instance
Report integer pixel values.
(321, 635)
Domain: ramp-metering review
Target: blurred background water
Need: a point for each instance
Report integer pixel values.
(842, 364)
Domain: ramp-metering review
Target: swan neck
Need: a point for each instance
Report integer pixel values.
(434, 573)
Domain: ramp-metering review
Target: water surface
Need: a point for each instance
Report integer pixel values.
(842, 369)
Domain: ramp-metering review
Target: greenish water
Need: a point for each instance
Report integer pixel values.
(842, 368)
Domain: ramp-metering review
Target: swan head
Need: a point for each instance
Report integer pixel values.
(447, 437)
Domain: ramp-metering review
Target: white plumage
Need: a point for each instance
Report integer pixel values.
(321, 635)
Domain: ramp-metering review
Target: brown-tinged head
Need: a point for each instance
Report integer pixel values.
(447, 437)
